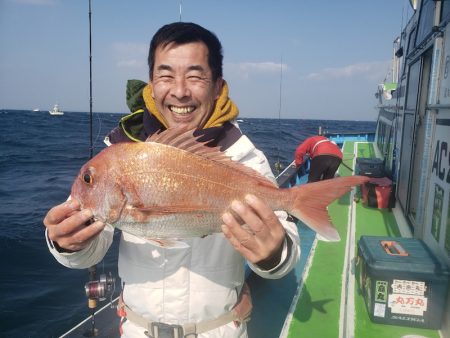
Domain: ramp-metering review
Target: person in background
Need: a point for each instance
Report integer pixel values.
(325, 156)
(198, 291)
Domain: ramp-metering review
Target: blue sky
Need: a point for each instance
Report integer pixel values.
(334, 53)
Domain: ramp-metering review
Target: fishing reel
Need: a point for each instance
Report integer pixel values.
(98, 290)
(102, 288)
(278, 166)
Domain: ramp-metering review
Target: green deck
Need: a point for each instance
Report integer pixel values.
(317, 312)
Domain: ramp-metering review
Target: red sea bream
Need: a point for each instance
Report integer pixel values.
(174, 187)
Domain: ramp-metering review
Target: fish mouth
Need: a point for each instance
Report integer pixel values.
(181, 110)
(99, 218)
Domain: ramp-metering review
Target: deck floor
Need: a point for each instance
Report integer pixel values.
(318, 310)
(272, 298)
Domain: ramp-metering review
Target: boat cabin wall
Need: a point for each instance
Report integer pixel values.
(421, 150)
(437, 217)
(437, 231)
(390, 121)
(423, 133)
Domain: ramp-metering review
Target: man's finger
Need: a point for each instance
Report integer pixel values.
(82, 238)
(265, 214)
(70, 225)
(250, 217)
(60, 212)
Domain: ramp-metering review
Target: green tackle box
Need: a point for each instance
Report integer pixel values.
(402, 282)
(371, 167)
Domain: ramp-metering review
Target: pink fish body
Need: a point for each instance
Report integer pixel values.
(173, 187)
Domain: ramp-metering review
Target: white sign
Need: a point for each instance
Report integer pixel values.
(379, 310)
(408, 287)
(438, 216)
(407, 304)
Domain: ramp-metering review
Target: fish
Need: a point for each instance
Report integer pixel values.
(172, 186)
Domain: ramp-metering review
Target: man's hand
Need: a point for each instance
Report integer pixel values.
(70, 228)
(262, 237)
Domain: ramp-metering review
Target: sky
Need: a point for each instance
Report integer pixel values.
(303, 59)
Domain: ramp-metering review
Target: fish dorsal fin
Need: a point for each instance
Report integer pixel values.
(185, 139)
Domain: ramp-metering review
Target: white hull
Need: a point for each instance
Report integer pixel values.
(56, 111)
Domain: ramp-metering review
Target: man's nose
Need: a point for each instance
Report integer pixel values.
(181, 88)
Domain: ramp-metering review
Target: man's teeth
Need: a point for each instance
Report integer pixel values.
(181, 110)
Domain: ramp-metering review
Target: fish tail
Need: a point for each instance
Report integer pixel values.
(311, 201)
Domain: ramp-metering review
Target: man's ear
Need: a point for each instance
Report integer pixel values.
(151, 86)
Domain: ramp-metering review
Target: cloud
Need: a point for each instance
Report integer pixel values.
(371, 70)
(130, 63)
(130, 55)
(258, 67)
(37, 2)
(245, 69)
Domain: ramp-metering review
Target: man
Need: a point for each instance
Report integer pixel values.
(325, 155)
(196, 287)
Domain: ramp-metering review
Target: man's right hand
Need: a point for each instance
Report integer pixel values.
(70, 228)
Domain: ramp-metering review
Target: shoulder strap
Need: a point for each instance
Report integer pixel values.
(317, 143)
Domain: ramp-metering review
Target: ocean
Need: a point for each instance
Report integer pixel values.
(40, 155)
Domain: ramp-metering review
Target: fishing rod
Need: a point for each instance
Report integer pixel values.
(92, 302)
(351, 169)
(91, 147)
(278, 165)
(105, 285)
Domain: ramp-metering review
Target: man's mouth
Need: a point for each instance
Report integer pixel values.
(182, 110)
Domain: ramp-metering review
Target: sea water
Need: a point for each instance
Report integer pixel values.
(40, 155)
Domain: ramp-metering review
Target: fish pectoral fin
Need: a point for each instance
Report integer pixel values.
(171, 209)
(167, 243)
(146, 213)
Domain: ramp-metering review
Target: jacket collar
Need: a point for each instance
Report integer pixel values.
(139, 125)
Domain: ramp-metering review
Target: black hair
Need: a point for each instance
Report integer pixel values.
(186, 32)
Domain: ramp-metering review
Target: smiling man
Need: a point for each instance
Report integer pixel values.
(184, 92)
(198, 290)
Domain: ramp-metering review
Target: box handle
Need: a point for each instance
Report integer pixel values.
(394, 248)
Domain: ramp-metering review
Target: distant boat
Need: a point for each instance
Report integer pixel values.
(36, 109)
(56, 111)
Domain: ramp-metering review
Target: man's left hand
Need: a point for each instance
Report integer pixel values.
(261, 237)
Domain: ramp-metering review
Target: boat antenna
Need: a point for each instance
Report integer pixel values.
(278, 165)
(181, 7)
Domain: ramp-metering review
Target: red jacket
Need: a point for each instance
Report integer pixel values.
(314, 146)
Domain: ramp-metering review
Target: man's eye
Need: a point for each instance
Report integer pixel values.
(165, 77)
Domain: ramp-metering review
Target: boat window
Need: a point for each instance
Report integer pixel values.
(412, 94)
(411, 40)
(413, 87)
(425, 20)
(445, 11)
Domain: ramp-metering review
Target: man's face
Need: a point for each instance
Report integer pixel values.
(183, 88)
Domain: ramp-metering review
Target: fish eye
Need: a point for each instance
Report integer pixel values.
(87, 178)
